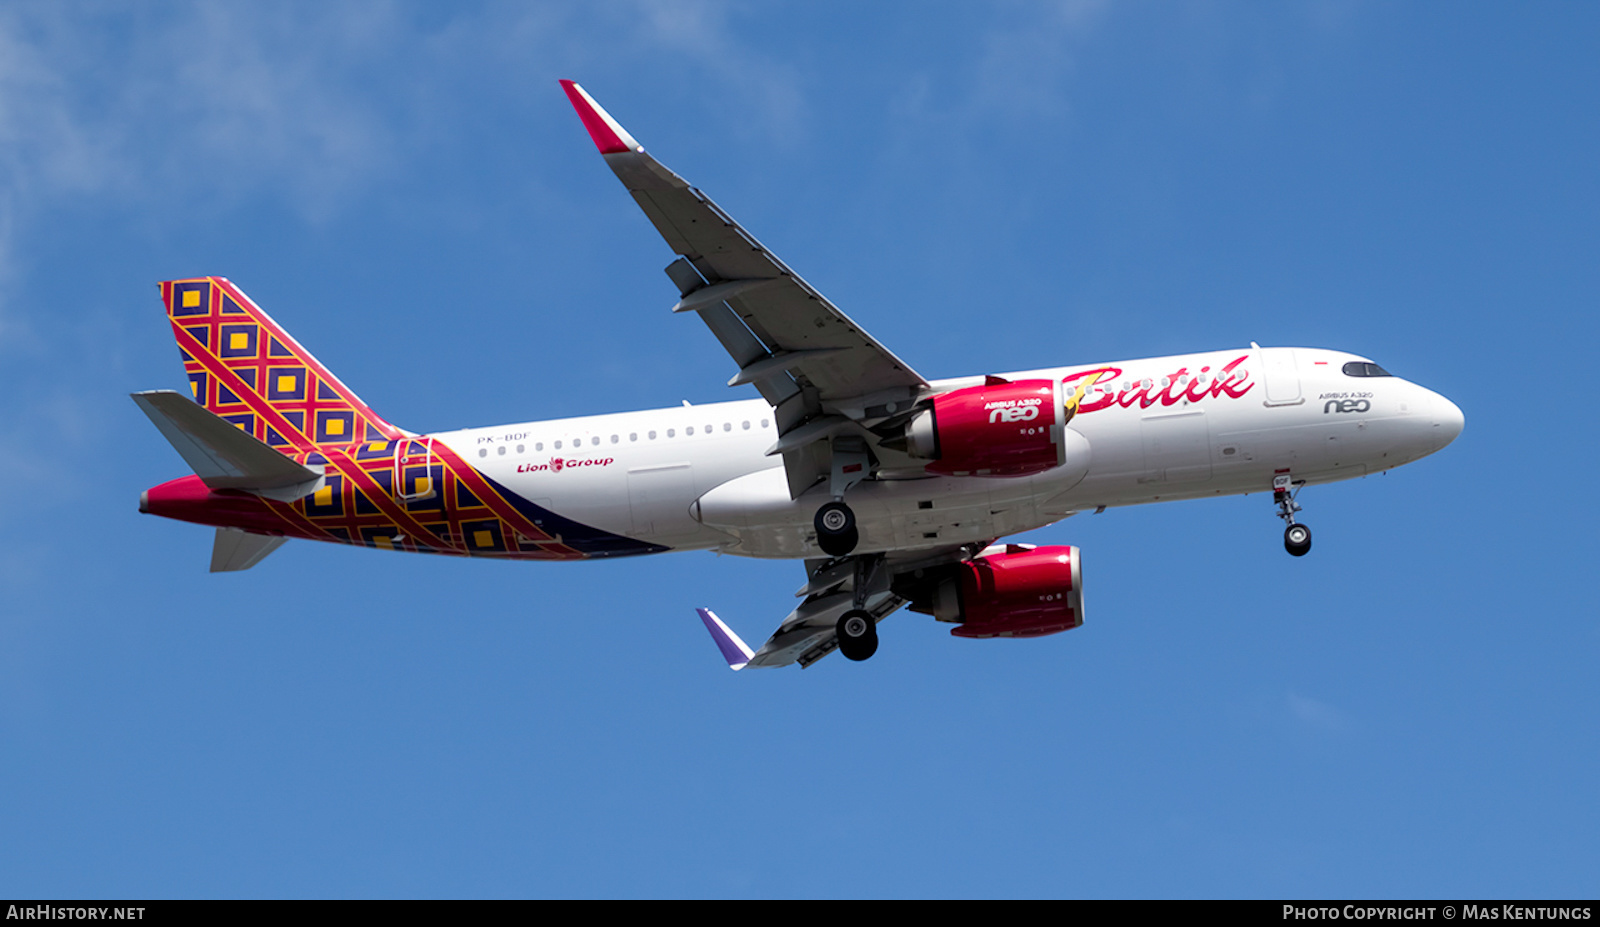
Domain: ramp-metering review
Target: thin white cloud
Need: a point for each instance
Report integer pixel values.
(94, 102)
(219, 98)
(310, 103)
(1025, 61)
(1018, 68)
(705, 33)
(44, 148)
(43, 140)
(1313, 713)
(270, 94)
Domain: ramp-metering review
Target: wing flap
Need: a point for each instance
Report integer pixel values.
(808, 633)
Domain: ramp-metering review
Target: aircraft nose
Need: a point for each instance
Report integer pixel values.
(1447, 421)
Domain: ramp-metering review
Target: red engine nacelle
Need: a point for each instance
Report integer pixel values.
(1024, 592)
(1001, 428)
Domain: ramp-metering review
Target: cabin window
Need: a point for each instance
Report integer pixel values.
(651, 435)
(672, 432)
(746, 426)
(483, 452)
(539, 446)
(501, 450)
(763, 423)
(727, 426)
(558, 445)
(522, 448)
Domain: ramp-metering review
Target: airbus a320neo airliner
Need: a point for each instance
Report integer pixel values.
(891, 487)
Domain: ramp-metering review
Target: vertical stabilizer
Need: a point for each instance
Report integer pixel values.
(246, 369)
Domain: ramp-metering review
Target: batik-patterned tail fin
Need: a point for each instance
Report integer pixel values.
(245, 368)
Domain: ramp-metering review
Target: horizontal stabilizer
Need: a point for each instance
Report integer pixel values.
(222, 455)
(240, 550)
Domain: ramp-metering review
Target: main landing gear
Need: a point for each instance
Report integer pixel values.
(858, 634)
(836, 529)
(1296, 537)
(835, 523)
(857, 629)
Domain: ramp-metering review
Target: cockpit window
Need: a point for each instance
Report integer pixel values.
(1365, 369)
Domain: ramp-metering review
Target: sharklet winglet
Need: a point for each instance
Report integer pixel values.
(608, 134)
(733, 649)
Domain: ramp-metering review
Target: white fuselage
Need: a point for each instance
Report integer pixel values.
(1155, 429)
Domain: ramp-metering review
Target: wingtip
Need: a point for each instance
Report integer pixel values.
(733, 649)
(609, 136)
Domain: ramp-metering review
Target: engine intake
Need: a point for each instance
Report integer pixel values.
(1001, 428)
(1023, 592)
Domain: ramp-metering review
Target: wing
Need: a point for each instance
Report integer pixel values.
(809, 633)
(820, 371)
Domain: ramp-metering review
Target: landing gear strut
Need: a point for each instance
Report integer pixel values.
(835, 523)
(1296, 537)
(857, 630)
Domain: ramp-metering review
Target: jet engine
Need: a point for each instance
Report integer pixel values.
(1021, 592)
(1001, 428)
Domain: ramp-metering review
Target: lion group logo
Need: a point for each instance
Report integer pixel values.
(558, 464)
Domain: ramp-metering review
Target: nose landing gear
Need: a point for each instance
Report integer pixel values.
(1296, 537)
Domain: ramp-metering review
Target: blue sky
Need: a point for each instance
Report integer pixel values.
(1408, 711)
